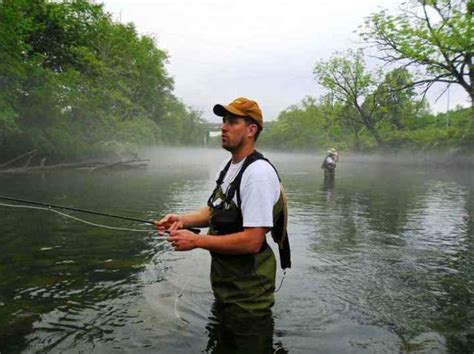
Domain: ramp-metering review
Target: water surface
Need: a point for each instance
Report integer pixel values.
(383, 261)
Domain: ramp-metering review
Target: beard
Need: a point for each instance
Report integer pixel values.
(232, 147)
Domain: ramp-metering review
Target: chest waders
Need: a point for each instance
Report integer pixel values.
(248, 280)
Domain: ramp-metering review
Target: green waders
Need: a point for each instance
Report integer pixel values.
(247, 281)
(329, 173)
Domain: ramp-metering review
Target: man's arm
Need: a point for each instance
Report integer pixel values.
(248, 241)
(198, 218)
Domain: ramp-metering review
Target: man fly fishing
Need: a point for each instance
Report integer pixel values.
(329, 164)
(247, 202)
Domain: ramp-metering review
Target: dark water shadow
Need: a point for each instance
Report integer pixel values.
(234, 331)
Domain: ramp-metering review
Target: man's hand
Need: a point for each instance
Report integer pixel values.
(182, 240)
(166, 223)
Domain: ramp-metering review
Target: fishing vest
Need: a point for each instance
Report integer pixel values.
(245, 280)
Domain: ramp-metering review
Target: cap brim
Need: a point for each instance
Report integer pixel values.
(221, 111)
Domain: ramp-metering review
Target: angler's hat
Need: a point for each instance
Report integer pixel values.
(332, 151)
(242, 107)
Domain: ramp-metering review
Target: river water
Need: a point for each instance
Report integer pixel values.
(383, 262)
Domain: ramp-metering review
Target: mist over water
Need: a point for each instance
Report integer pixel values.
(382, 259)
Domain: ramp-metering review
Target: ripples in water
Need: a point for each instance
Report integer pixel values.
(382, 262)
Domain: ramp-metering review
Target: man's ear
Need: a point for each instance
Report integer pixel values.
(252, 129)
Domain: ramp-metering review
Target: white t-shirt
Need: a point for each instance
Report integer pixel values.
(330, 161)
(259, 191)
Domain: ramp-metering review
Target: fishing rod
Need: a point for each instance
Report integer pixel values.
(196, 231)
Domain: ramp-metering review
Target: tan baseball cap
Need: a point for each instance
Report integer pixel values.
(242, 107)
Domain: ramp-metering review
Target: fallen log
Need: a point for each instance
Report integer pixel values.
(126, 164)
(43, 167)
(32, 152)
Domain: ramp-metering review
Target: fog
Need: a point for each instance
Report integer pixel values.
(191, 157)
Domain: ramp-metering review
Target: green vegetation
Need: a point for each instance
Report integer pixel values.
(367, 109)
(320, 124)
(73, 83)
(436, 36)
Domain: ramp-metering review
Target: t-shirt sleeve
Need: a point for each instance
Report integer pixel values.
(259, 192)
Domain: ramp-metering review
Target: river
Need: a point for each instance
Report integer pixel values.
(383, 261)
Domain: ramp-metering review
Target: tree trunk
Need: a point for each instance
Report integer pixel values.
(369, 123)
(356, 140)
(472, 112)
(355, 130)
(470, 58)
(378, 139)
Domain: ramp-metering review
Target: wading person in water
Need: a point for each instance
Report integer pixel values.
(329, 164)
(246, 203)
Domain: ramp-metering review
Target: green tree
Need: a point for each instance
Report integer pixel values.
(346, 78)
(435, 36)
(308, 125)
(12, 72)
(346, 115)
(73, 82)
(395, 100)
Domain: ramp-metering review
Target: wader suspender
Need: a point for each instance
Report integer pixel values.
(234, 186)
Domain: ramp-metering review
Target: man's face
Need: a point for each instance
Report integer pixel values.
(234, 132)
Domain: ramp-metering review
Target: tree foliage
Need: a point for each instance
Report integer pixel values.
(73, 82)
(355, 96)
(347, 80)
(436, 36)
(300, 125)
(428, 42)
(321, 125)
(394, 98)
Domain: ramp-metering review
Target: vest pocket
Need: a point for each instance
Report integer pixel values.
(226, 221)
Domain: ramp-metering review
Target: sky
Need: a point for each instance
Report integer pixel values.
(264, 50)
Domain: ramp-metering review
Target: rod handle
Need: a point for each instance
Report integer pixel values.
(192, 229)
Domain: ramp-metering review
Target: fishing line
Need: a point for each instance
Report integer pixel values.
(50, 206)
(78, 219)
(282, 279)
(178, 295)
(74, 209)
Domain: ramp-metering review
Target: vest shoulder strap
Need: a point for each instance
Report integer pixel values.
(223, 173)
(234, 186)
(279, 230)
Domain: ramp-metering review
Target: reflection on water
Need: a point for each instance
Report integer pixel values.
(232, 330)
(382, 262)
